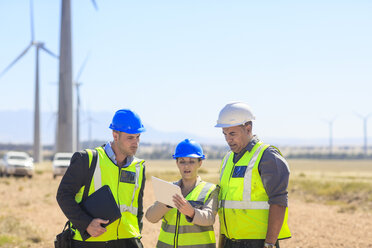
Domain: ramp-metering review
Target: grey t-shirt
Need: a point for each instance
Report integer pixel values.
(274, 172)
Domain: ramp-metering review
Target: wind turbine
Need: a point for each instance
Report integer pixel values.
(38, 45)
(330, 123)
(365, 120)
(77, 85)
(90, 120)
(65, 142)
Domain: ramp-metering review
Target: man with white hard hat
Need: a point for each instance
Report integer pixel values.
(253, 199)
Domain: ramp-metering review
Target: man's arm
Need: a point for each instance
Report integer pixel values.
(274, 173)
(140, 201)
(72, 181)
(276, 218)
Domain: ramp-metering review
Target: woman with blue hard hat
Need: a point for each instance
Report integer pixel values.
(191, 222)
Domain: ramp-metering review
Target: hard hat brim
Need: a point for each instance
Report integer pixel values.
(188, 156)
(130, 131)
(139, 130)
(229, 125)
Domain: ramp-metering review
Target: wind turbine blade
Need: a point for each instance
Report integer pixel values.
(82, 68)
(15, 61)
(32, 19)
(95, 4)
(48, 51)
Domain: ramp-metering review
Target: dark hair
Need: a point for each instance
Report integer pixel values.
(197, 158)
(248, 123)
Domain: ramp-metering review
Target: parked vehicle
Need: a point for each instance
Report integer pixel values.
(2, 168)
(61, 161)
(17, 163)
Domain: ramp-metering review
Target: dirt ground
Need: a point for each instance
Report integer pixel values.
(30, 217)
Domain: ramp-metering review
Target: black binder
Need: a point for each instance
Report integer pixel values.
(101, 204)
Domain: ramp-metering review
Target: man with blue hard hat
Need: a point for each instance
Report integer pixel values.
(253, 199)
(117, 167)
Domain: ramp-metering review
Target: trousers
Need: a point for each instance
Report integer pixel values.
(246, 243)
(120, 243)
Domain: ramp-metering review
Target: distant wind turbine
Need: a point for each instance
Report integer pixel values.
(38, 45)
(77, 85)
(90, 120)
(365, 120)
(330, 123)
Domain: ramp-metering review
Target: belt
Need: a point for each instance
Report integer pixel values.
(248, 242)
(131, 242)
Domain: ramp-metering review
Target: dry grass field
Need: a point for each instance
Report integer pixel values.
(330, 204)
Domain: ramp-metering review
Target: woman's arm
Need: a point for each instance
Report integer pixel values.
(156, 212)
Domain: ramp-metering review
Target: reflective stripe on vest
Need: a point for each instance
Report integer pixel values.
(185, 229)
(203, 196)
(131, 209)
(246, 203)
(176, 231)
(164, 245)
(224, 164)
(98, 184)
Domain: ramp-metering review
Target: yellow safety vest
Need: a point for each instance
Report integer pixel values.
(243, 202)
(176, 231)
(125, 194)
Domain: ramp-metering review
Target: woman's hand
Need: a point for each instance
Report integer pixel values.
(183, 206)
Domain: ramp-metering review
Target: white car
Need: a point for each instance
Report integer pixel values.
(61, 162)
(17, 163)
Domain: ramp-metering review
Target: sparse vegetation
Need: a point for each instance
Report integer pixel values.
(14, 231)
(30, 216)
(343, 183)
(333, 192)
(7, 240)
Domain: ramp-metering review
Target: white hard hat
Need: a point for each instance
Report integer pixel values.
(235, 114)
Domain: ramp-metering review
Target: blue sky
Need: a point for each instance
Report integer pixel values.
(177, 63)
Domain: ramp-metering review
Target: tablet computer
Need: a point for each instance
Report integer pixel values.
(164, 191)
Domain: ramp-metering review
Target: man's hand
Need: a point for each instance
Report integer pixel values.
(183, 206)
(95, 229)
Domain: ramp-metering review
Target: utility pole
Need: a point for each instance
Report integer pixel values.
(65, 141)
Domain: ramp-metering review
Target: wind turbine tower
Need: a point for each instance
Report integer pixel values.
(365, 121)
(37, 150)
(65, 141)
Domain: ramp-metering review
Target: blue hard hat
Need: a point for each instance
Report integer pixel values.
(188, 148)
(128, 121)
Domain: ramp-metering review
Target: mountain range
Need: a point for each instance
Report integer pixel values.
(16, 127)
